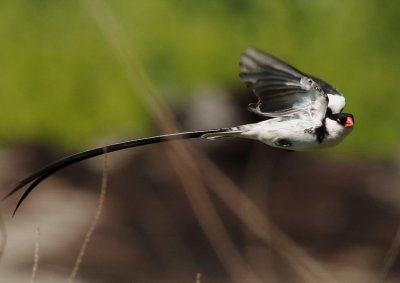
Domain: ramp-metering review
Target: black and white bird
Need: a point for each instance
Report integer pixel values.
(301, 113)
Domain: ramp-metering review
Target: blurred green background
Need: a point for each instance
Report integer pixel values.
(61, 84)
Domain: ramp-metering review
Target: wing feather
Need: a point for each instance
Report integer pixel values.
(281, 89)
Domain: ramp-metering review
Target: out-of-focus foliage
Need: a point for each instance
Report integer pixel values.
(61, 83)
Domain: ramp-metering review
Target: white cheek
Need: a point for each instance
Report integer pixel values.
(333, 128)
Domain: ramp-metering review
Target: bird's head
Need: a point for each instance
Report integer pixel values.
(344, 119)
(338, 126)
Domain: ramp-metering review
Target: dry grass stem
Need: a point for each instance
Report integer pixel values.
(210, 221)
(3, 236)
(257, 188)
(35, 265)
(260, 225)
(94, 222)
(198, 278)
(391, 256)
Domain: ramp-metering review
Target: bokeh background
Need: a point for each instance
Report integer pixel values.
(76, 74)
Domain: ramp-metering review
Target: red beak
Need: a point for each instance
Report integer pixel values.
(349, 122)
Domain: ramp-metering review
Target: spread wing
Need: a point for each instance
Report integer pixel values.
(282, 90)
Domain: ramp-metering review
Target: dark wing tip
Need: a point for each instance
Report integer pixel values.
(254, 59)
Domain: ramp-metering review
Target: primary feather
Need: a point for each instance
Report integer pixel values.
(282, 90)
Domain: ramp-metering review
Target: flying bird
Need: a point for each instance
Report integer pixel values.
(300, 113)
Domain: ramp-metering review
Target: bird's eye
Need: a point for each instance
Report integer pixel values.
(341, 120)
(309, 81)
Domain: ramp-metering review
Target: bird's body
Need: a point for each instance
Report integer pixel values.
(293, 134)
(301, 113)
